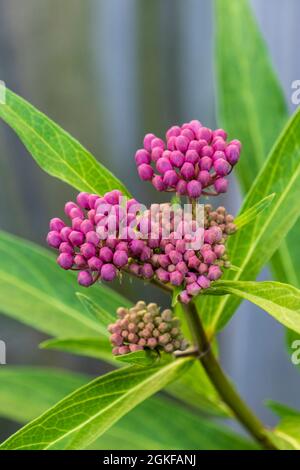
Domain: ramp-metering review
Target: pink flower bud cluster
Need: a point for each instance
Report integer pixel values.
(192, 159)
(173, 259)
(174, 262)
(145, 327)
(81, 244)
(209, 262)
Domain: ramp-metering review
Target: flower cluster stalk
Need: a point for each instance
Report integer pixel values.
(222, 384)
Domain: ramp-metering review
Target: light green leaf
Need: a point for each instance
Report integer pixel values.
(26, 392)
(286, 435)
(253, 246)
(90, 411)
(55, 150)
(44, 387)
(37, 292)
(247, 86)
(234, 268)
(250, 214)
(99, 348)
(282, 301)
(140, 358)
(251, 104)
(293, 347)
(102, 316)
(175, 295)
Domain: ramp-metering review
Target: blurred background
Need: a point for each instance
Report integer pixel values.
(108, 71)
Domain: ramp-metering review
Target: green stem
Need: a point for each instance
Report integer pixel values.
(222, 384)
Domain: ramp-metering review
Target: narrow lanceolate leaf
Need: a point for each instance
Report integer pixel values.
(98, 348)
(250, 214)
(140, 358)
(247, 86)
(101, 315)
(26, 392)
(56, 151)
(286, 435)
(168, 419)
(282, 301)
(80, 418)
(37, 292)
(293, 347)
(253, 245)
(195, 389)
(281, 410)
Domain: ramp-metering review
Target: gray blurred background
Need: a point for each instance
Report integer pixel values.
(108, 71)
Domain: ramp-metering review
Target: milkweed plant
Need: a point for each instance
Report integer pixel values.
(201, 257)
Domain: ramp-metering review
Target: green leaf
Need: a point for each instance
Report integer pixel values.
(253, 246)
(250, 214)
(26, 392)
(195, 389)
(282, 301)
(283, 411)
(175, 294)
(44, 387)
(90, 411)
(286, 435)
(140, 358)
(168, 419)
(248, 87)
(293, 347)
(55, 151)
(102, 316)
(99, 348)
(251, 104)
(37, 292)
